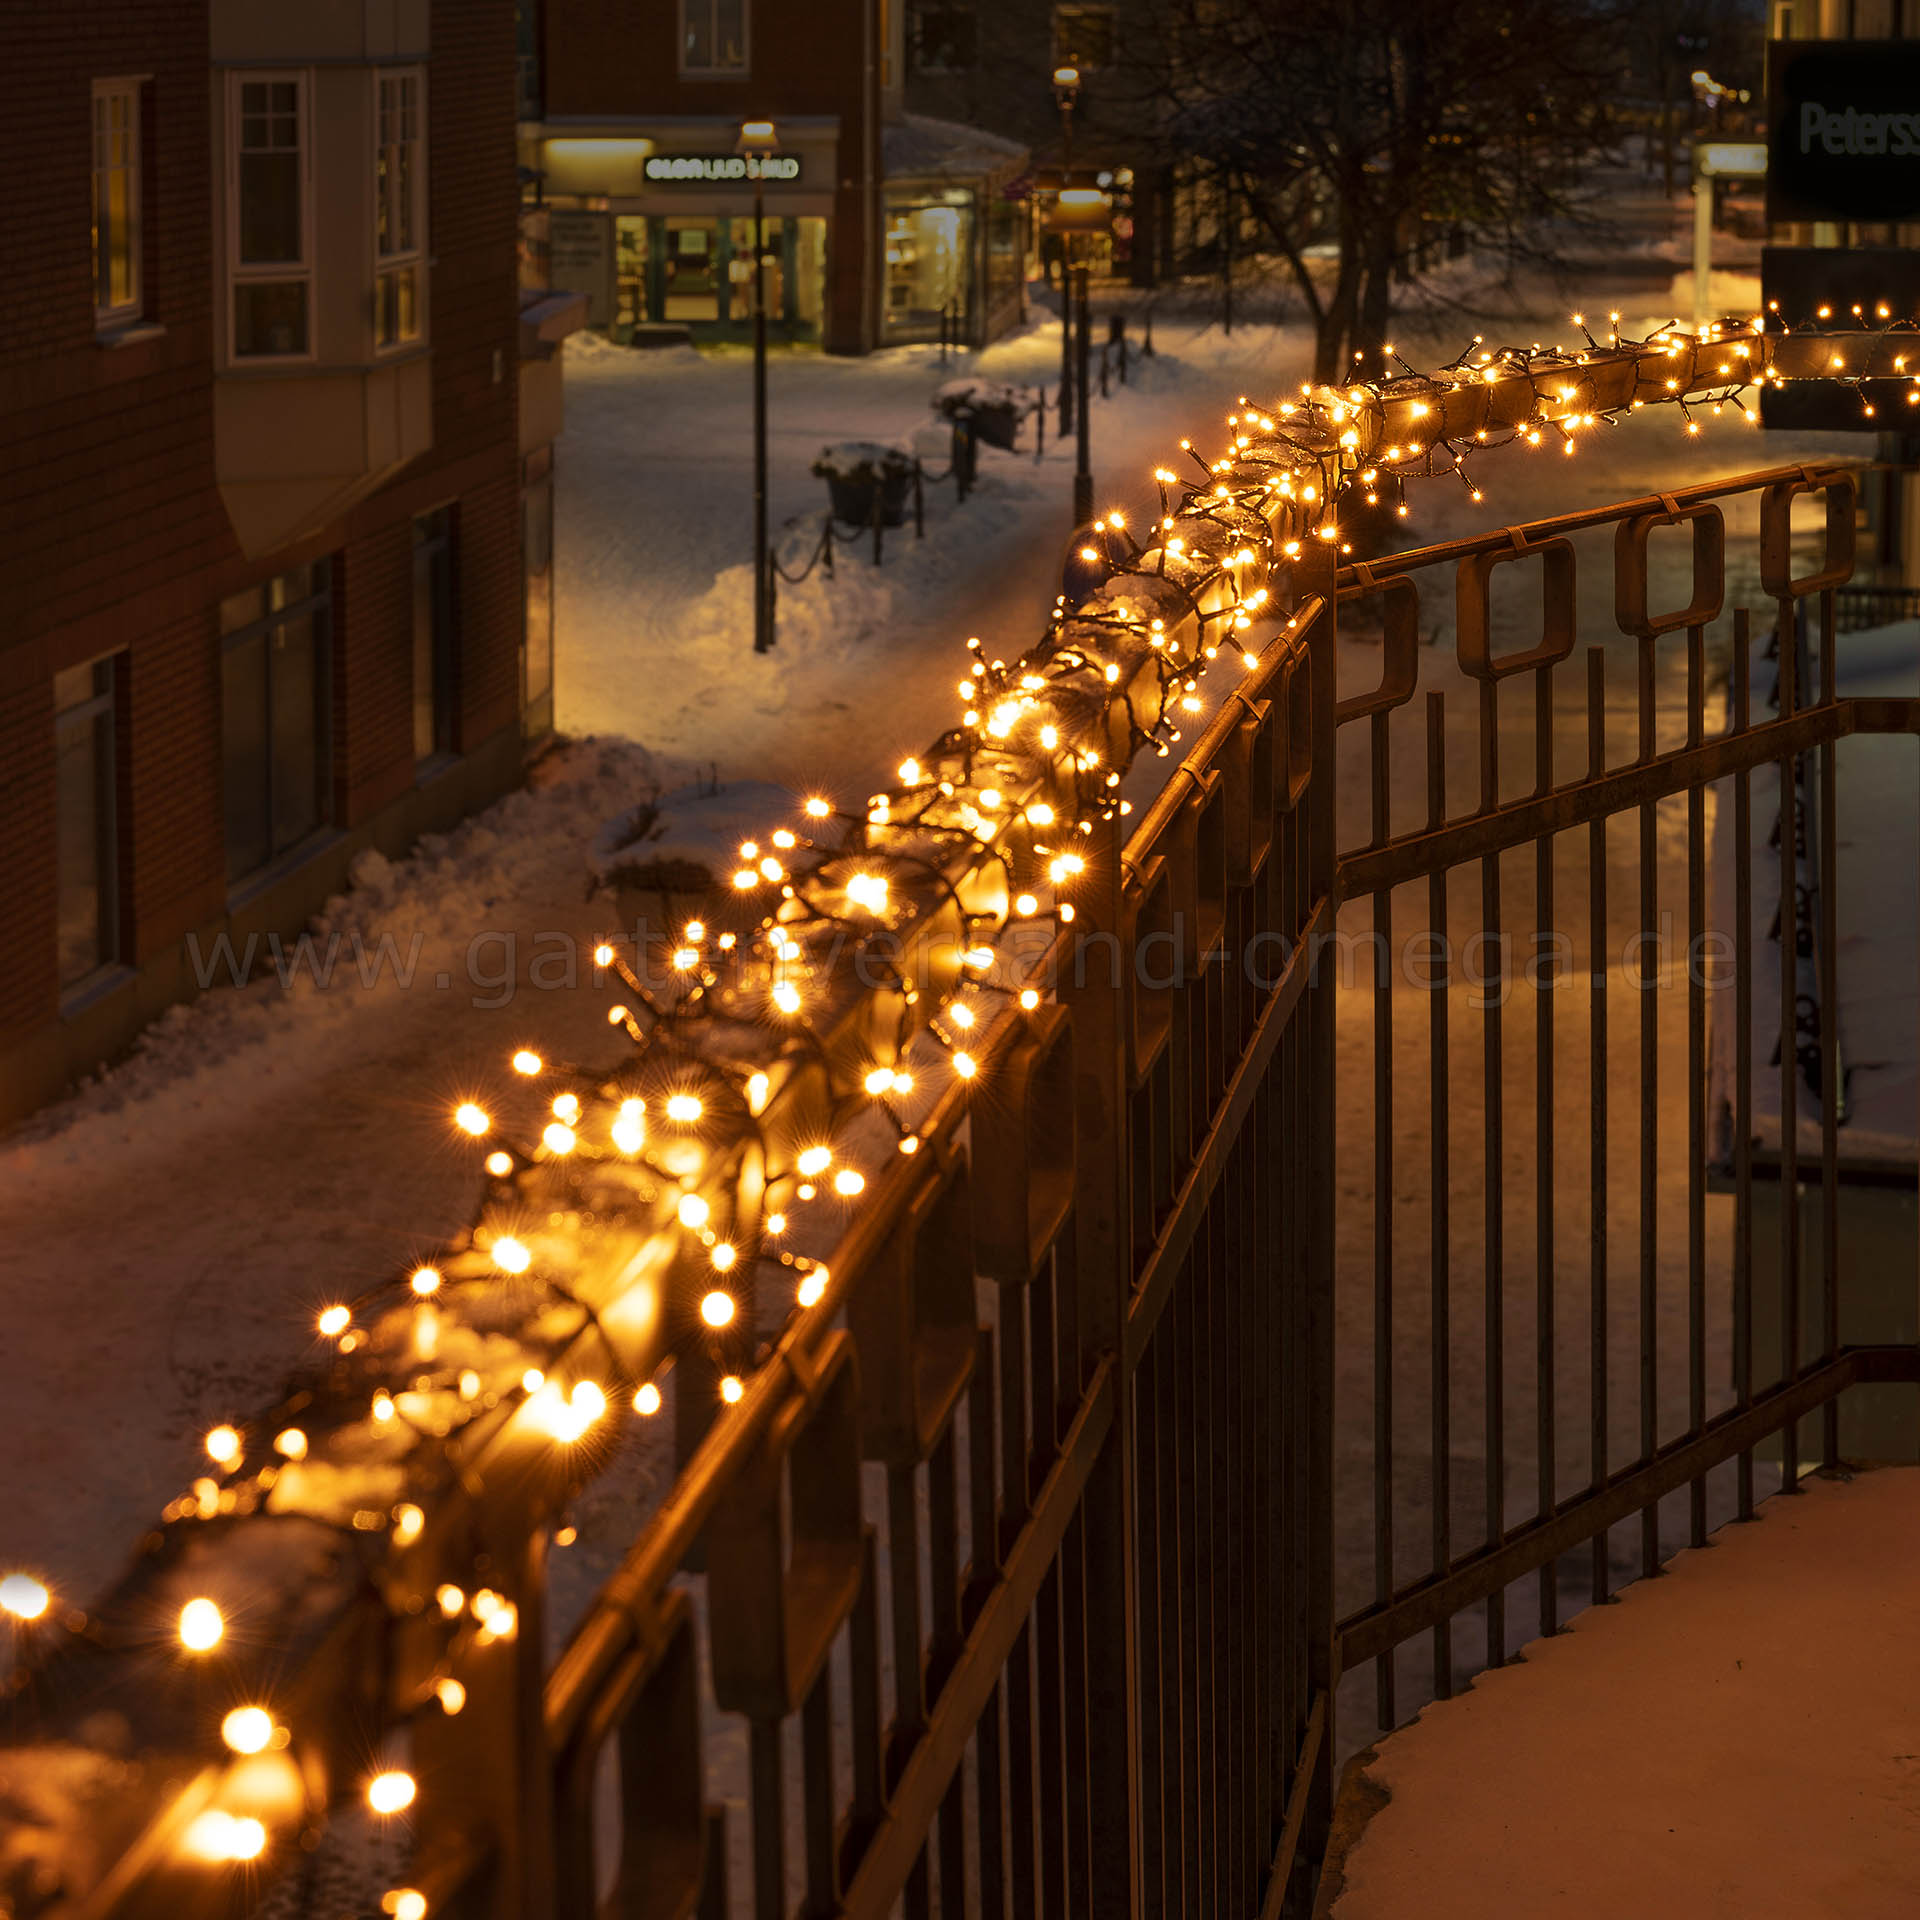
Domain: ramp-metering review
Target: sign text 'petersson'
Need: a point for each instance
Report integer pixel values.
(1843, 126)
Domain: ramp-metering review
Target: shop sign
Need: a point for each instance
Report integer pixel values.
(1843, 132)
(723, 166)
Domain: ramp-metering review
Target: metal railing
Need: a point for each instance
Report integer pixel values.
(1019, 1551)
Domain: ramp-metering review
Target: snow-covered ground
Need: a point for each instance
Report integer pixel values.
(173, 1227)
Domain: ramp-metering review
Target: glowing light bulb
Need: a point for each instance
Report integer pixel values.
(1040, 814)
(451, 1695)
(223, 1838)
(847, 1182)
(818, 809)
(814, 1160)
(724, 1257)
(510, 1256)
(745, 877)
(647, 1400)
(694, 1211)
(758, 1087)
(471, 1119)
(776, 1223)
(909, 771)
(980, 957)
(499, 1164)
(335, 1320)
(868, 890)
(731, 1391)
(291, 1443)
(223, 1445)
(425, 1280)
(527, 1061)
(383, 1406)
(960, 1014)
(1025, 904)
(786, 996)
(1029, 999)
(879, 1081)
(685, 959)
(559, 1137)
(717, 1309)
(391, 1792)
(965, 1065)
(202, 1626)
(812, 1288)
(603, 955)
(23, 1597)
(248, 1729)
(685, 1108)
(405, 1903)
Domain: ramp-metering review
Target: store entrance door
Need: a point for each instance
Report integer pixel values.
(693, 269)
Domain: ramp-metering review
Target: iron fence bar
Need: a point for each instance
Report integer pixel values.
(1545, 1276)
(1599, 945)
(1363, 1636)
(1649, 1124)
(1383, 1342)
(1827, 884)
(1789, 1076)
(1493, 1072)
(1696, 1078)
(1441, 1335)
(1742, 720)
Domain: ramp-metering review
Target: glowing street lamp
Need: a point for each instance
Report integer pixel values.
(759, 142)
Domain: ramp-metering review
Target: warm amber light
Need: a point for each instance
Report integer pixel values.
(23, 1597)
(717, 1309)
(248, 1729)
(201, 1626)
(471, 1119)
(334, 1320)
(526, 1061)
(391, 1792)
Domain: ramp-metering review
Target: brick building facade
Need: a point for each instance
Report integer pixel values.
(275, 426)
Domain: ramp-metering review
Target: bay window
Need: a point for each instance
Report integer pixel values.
(400, 211)
(270, 244)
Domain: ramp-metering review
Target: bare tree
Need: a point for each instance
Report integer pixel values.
(1373, 124)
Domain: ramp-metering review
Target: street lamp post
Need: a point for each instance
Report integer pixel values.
(759, 143)
(1066, 91)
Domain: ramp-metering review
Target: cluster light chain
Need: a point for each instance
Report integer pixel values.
(848, 974)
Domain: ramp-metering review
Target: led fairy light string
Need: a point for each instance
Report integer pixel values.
(676, 1180)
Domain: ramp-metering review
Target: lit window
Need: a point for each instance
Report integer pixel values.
(116, 201)
(275, 642)
(1083, 38)
(713, 36)
(400, 212)
(267, 134)
(86, 819)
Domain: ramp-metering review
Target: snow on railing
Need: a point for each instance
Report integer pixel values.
(340, 1560)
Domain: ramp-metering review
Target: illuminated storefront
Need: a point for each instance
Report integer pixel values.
(954, 232)
(654, 224)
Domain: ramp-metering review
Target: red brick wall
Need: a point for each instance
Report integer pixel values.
(112, 532)
(611, 57)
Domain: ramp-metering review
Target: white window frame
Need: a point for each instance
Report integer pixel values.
(744, 70)
(302, 270)
(414, 256)
(108, 316)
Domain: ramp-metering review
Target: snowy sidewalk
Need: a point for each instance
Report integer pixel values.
(1736, 1738)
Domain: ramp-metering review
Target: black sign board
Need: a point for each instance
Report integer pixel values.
(1843, 130)
(1884, 283)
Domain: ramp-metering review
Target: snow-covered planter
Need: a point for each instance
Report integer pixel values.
(994, 408)
(856, 471)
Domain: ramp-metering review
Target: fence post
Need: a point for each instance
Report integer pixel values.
(1040, 428)
(1146, 345)
(919, 503)
(1103, 373)
(879, 516)
(773, 599)
(826, 545)
(1096, 990)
